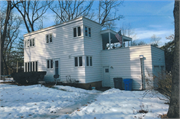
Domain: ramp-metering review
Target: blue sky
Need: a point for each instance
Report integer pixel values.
(145, 17)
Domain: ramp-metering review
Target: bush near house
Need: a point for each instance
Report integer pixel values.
(25, 78)
(164, 83)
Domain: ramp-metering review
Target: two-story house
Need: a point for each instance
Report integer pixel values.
(78, 49)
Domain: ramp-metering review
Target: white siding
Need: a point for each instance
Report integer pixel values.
(63, 45)
(93, 47)
(158, 61)
(126, 63)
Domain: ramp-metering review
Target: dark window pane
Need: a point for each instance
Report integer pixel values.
(89, 32)
(28, 67)
(25, 67)
(79, 31)
(47, 63)
(47, 39)
(106, 70)
(33, 66)
(87, 61)
(90, 61)
(80, 61)
(50, 37)
(30, 42)
(76, 61)
(74, 32)
(36, 66)
(51, 63)
(86, 31)
(33, 42)
(56, 68)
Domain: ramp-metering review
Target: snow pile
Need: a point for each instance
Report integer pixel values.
(34, 101)
(73, 89)
(120, 104)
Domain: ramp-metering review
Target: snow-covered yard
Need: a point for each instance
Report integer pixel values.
(42, 102)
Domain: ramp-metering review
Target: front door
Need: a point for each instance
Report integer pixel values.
(106, 77)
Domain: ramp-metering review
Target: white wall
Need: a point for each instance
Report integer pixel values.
(126, 63)
(63, 45)
(93, 47)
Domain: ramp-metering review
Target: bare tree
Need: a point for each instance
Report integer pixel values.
(12, 33)
(31, 11)
(127, 30)
(67, 10)
(173, 111)
(105, 15)
(155, 40)
(4, 26)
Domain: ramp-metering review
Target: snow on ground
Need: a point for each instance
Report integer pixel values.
(35, 101)
(42, 102)
(7, 80)
(118, 104)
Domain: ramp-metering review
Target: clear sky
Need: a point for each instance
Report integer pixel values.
(145, 17)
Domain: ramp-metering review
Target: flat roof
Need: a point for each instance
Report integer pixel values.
(60, 25)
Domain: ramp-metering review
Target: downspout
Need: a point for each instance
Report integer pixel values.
(142, 72)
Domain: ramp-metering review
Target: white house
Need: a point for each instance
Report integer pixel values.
(77, 49)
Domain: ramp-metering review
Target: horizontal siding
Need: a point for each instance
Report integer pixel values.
(63, 45)
(92, 47)
(126, 63)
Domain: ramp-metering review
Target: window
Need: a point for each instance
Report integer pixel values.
(74, 32)
(88, 61)
(49, 38)
(87, 31)
(77, 31)
(78, 61)
(30, 43)
(31, 66)
(50, 63)
(25, 67)
(106, 70)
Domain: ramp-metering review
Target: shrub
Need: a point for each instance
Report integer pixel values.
(164, 84)
(24, 78)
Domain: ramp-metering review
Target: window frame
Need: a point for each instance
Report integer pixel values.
(77, 31)
(29, 43)
(50, 63)
(78, 61)
(49, 38)
(89, 32)
(89, 61)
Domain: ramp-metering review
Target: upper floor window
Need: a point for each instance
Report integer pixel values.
(87, 31)
(48, 38)
(78, 61)
(30, 43)
(77, 31)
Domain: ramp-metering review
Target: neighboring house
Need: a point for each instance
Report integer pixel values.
(77, 49)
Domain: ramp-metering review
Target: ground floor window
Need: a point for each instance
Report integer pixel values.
(78, 61)
(31, 66)
(88, 60)
(49, 63)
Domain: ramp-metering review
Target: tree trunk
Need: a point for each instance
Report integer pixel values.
(173, 111)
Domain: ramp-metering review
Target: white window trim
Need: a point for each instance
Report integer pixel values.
(77, 31)
(32, 67)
